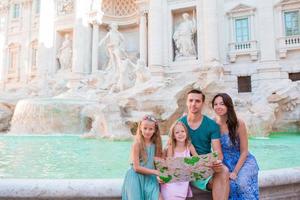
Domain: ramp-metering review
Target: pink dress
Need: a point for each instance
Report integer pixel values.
(178, 190)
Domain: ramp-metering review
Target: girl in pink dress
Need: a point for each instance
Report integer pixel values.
(179, 145)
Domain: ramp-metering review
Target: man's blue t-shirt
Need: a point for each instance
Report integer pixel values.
(202, 136)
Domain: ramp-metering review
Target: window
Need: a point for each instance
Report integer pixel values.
(291, 20)
(34, 57)
(244, 84)
(294, 76)
(16, 11)
(12, 61)
(242, 30)
(37, 6)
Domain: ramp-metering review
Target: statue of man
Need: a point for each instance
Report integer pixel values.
(184, 37)
(65, 54)
(114, 41)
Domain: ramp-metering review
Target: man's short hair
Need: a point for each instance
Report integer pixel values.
(195, 91)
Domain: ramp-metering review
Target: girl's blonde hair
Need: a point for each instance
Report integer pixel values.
(155, 139)
(172, 140)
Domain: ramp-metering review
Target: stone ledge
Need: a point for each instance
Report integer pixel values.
(274, 184)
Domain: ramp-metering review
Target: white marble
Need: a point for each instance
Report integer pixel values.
(111, 188)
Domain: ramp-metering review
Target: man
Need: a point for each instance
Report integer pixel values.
(205, 134)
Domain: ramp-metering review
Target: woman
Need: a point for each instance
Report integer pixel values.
(242, 165)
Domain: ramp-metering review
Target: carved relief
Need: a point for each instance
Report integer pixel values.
(65, 7)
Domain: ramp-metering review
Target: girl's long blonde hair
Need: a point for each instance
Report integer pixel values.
(155, 139)
(172, 140)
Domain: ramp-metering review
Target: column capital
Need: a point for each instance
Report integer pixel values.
(143, 6)
(26, 3)
(95, 17)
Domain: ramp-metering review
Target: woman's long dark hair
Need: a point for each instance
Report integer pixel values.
(232, 121)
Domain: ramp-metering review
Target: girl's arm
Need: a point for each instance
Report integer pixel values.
(169, 151)
(193, 150)
(243, 146)
(136, 162)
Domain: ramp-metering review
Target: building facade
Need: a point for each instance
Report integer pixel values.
(254, 41)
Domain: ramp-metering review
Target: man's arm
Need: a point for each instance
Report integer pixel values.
(216, 146)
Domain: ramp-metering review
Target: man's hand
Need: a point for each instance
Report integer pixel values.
(217, 166)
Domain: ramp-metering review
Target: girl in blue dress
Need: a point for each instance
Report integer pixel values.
(140, 181)
(242, 165)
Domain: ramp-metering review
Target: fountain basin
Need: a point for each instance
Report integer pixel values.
(46, 116)
(274, 184)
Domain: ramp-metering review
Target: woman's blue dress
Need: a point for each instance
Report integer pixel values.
(245, 187)
(138, 186)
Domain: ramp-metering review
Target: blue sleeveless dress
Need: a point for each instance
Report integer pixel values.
(138, 186)
(245, 187)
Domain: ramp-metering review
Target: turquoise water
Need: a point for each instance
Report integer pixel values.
(74, 157)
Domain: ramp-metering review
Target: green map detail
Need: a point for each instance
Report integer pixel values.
(166, 179)
(191, 161)
(215, 154)
(163, 169)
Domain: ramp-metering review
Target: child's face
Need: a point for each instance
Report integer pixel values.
(148, 129)
(179, 133)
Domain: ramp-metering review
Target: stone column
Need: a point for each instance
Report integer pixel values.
(82, 38)
(4, 14)
(95, 47)
(210, 29)
(143, 37)
(46, 52)
(267, 44)
(155, 34)
(25, 50)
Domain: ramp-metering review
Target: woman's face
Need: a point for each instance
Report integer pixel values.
(179, 133)
(147, 129)
(219, 106)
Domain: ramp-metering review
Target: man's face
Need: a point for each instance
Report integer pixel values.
(194, 103)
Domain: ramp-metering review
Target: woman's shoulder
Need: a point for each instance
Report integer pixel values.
(241, 122)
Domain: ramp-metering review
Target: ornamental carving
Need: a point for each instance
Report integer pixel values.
(119, 7)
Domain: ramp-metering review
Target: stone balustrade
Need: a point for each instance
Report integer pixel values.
(288, 43)
(243, 48)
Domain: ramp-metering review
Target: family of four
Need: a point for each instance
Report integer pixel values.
(235, 173)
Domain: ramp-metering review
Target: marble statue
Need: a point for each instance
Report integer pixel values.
(184, 38)
(119, 67)
(65, 54)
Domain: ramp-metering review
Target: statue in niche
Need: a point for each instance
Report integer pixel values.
(119, 67)
(184, 38)
(65, 54)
